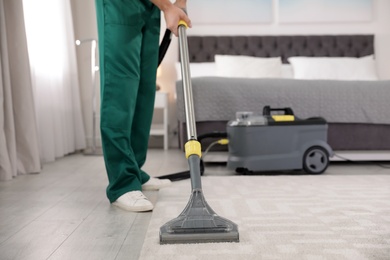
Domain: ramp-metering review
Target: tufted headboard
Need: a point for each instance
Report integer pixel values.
(203, 48)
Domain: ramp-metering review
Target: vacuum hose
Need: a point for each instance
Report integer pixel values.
(166, 41)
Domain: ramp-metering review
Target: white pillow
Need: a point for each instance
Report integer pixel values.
(334, 68)
(198, 69)
(287, 71)
(248, 67)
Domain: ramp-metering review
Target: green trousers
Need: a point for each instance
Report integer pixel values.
(129, 32)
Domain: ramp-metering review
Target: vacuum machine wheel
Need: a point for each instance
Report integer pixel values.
(315, 160)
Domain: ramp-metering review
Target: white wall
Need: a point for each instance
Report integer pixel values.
(85, 22)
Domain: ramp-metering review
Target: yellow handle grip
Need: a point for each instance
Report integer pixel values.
(182, 22)
(279, 118)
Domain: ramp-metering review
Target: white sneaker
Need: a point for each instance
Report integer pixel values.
(133, 201)
(155, 184)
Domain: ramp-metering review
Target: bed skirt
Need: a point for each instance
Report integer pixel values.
(341, 136)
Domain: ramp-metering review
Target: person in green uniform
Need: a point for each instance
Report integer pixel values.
(129, 34)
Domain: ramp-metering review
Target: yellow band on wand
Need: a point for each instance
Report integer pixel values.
(193, 147)
(181, 22)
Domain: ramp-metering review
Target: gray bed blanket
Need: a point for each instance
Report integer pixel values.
(217, 98)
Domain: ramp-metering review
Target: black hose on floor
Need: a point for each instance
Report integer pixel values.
(186, 174)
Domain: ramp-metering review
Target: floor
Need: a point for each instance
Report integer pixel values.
(62, 213)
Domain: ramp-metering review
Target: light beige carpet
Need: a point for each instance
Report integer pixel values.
(284, 217)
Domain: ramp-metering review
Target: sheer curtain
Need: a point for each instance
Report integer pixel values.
(40, 110)
(52, 53)
(19, 153)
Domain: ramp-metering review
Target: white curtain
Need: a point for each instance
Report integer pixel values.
(19, 153)
(52, 52)
(40, 110)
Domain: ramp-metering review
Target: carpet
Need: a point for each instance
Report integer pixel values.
(284, 217)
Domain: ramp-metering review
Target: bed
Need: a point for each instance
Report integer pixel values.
(356, 109)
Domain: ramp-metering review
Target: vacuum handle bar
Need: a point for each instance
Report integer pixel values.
(192, 147)
(186, 80)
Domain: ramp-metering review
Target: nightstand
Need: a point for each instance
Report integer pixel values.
(161, 102)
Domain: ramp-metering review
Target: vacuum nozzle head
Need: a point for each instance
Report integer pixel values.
(198, 223)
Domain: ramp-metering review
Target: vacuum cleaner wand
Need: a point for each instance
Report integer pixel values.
(198, 223)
